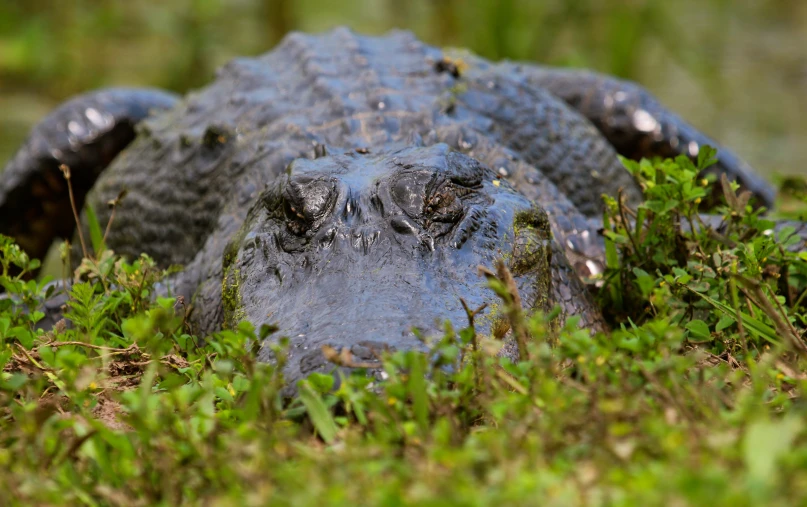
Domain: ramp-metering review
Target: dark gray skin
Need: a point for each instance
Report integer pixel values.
(366, 247)
(348, 187)
(86, 134)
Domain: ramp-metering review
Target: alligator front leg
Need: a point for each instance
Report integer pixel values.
(84, 134)
(637, 124)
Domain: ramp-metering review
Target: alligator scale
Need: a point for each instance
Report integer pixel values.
(347, 188)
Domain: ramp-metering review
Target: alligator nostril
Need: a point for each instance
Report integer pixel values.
(403, 225)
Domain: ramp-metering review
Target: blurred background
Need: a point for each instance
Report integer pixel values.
(737, 69)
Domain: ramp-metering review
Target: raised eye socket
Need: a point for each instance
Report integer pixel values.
(409, 191)
(464, 171)
(429, 196)
(307, 201)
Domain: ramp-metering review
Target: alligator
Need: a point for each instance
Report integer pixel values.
(348, 187)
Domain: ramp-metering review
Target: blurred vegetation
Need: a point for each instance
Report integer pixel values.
(736, 69)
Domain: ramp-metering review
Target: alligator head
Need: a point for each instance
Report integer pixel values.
(358, 250)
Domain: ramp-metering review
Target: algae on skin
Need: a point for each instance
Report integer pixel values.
(530, 257)
(231, 300)
(532, 254)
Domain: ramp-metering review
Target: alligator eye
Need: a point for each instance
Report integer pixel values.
(307, 201)
(443, 202)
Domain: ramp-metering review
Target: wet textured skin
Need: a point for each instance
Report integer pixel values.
(637, 125)
(348, 187)
(85, 133)
(362, 248)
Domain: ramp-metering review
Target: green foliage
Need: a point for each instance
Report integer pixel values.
(718, 276)
(120, 404)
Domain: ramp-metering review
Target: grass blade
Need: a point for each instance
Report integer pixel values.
(318, 412)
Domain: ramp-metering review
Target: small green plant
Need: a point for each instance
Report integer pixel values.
(731, 279)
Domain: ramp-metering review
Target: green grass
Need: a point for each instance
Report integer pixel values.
(694, 398)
